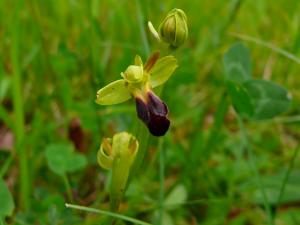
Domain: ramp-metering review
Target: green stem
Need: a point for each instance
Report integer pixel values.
(142, 132)
(287, 175)
(18, 111)
(161, 179)
(68, 188)
(252, 163)
(107, 213)
(120, 174)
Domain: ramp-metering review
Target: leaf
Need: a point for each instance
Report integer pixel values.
(237, 63)
(162, 70)
(167, 219)
(62, 159)
(268, 99)
(113, 93)
(272, 185)
(176, 197)
(240, 99)
(7, 203)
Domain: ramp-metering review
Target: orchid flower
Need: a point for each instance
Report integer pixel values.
(138, 82)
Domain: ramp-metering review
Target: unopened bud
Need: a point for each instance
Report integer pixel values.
(118, 154)
(173, 29)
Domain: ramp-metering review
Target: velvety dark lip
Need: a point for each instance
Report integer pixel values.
(154, 114)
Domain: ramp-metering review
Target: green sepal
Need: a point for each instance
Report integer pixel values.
(162, 70)
(113, 93)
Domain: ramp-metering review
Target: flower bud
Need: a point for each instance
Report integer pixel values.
(133, 74)
(118, 154)
(173, 29)
(122, 145)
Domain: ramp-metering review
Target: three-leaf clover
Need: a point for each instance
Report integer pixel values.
(63, 159)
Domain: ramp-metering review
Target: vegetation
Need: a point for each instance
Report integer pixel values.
(230, 154)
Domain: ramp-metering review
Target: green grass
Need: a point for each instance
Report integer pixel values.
(18, 110)
(55, 55)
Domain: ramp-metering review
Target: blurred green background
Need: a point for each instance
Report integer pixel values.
(55, 55)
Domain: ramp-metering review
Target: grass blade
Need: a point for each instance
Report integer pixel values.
(255, 170)
(287, 174)
(18, 109)
(140, 19)
(268, 45)
(107, 213)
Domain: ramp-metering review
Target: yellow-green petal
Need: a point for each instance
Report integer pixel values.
(113, 93)
(104, 157)
(162, 70)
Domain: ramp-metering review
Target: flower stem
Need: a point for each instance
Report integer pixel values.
(161, 179)
(142, 133)
(68, 188)
(120, 174)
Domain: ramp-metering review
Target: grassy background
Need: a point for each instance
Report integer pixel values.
(55, 55)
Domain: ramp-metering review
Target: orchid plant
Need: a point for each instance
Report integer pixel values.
(138, 82)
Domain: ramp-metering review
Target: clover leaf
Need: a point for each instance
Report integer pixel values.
(62, 158)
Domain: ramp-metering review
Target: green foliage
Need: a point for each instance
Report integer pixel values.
(176, 197)
(64, 51)
(62, 159)
(7, 203)
(237, 63)
(240, 99)
(273, 184)
(268, 98)
(172, 202)
(255, 99)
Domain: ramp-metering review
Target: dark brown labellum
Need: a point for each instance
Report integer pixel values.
(154, 114)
